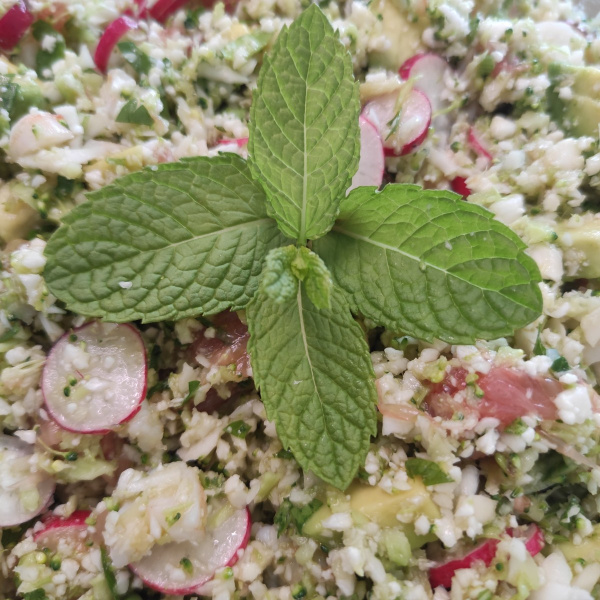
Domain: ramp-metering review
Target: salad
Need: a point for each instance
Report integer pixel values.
(299, 301)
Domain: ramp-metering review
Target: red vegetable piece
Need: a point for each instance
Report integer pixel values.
(477, 145)
(111, 36)
(459, 185)
(13, 25)
(442, 574)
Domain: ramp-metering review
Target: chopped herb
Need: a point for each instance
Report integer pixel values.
(138, 59)
(289, 514)
(135, 114)
(239, 429)
(430, 472)
(560, 364)
(109, 574)
(186, 565)
(38, 594)
(193, 387)
(161, 386)
(486, 66)
(283, 453)
(71, 456)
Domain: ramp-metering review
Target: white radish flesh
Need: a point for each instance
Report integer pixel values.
(428, 71)
(72, 529)
(372, 161)
(95, 377)
(402, 124)
(24, 493)
(180, 568)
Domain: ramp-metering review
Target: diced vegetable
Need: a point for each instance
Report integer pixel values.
(111, 36)
(13, 25)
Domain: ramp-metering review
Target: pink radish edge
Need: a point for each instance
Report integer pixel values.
(54, 522)
(459, 185)
(477, 145)
(135, 410)
(111, 36)
(13, 25)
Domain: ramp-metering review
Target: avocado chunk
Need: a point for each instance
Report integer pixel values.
(580, 243)
(404, 36)
(578, 111)
(374, 504)
(588, 550)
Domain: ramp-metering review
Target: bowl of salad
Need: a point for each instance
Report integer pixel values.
(299, 300)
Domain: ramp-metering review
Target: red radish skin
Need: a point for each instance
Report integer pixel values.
(239, 142)
(12, 513)
(427, 70)
(413, 127)
(111, 36)
(13, 25)
(163, 9)
(122, 388)
(442, 574)
(219, 549)
(477, 145)
(57, 524)
(371, 165)
(485, 553)
(459, 185)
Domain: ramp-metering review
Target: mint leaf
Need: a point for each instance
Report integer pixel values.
(134, 114)
(304, 137)
(430, 472)
(190, 238)
(288, 514)
(430, 265)
(316, 380)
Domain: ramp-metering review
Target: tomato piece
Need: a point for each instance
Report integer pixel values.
(510, 394)
(507, 395)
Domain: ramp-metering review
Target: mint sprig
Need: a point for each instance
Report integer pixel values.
(192, 238)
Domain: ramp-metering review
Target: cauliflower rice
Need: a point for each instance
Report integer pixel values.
(512, 425)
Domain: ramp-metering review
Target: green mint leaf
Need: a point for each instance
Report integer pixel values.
(430, 265)
(246, 46)
(134, 114)
(304, 137)
(53, 47)
(193, 387)
(431, 473)
(179, 240)
(137, 58)
(314, 372)
(539, 349)
(278, 281)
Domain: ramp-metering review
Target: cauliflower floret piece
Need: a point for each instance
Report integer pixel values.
(167, 504)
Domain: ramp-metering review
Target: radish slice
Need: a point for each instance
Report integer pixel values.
(372, 161)
(56, 529)
(477, 145)
(533, 538)
(23, 494)
(459, 185)
(239, 142)
(113, 33)
(414, 119)
(164, 569)
(428, 71)
(95, 377)
(442, 574)
(13, 25)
